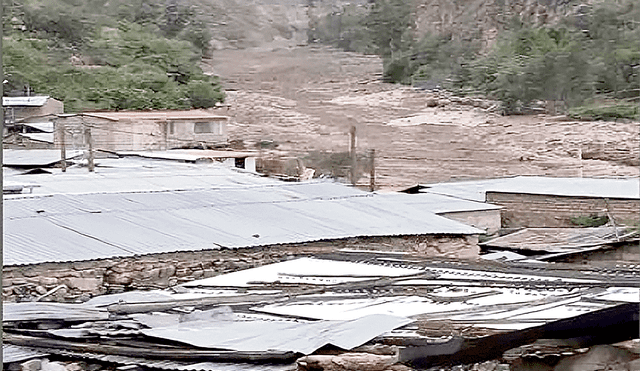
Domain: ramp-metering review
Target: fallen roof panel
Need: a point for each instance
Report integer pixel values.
(557, 240)
(298, 337)
(295, 271)
(42, 311)
(175, 364)
(14, 353)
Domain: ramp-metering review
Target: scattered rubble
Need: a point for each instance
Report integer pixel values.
(346, 311)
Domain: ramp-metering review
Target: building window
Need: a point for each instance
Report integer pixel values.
(208, 128)
(240, 162)
(172, 128)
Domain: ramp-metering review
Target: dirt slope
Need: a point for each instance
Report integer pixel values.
(305, 99)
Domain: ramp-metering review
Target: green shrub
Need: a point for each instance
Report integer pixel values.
(593, 220)
(605, 112)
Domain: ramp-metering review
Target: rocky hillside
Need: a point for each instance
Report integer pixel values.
(270, 23)
(252, 23)
(483, 19)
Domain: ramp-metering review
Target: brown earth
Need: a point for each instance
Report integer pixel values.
(305, 99)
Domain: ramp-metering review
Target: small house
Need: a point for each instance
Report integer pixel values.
(17, 108)
(535, 201)
(142, 130)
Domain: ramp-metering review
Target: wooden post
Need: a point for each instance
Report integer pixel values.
(352, 152)
(87, 132)
(372, 174)
(63, 146)
(166, 135)
(1, 180)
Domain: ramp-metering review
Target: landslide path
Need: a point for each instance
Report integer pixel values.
(306, 98)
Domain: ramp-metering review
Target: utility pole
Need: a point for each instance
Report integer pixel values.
(352, 153)
(63, 146)
(1, 181)
(87, 133)
(372, 174)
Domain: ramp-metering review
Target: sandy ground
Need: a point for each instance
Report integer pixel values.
(306, 98)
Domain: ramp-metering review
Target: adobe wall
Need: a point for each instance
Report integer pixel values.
(110, 135)
(184, 134)
(488, 220)
(130, 135)
(525, 210)
(79, 281)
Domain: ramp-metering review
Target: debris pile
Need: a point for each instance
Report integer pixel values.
(343, 311)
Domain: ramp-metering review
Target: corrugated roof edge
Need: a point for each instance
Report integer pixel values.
(426, 188)
(220, 247)
(154, 115)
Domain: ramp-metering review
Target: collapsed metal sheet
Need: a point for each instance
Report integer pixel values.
(131, 297)
(297, 337)
(40, 311)
(178, 365)
(14, 353)
(305, 270)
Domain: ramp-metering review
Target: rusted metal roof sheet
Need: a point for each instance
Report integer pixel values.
(577, 187)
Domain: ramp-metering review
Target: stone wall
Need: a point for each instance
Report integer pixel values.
(525, 210)
(79, 281)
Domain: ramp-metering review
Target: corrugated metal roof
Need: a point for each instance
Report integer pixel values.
(15, 353)
(189, 154)
(555, 240)
(130, 175)
(175, 365)
(34, 101)
(40, 311)
(44, 126)
(581, 187)
(440, 204)
(91, 226)
(35, 157)
(40, 137)
(299, 337)
(299, 270)
(156, 115)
